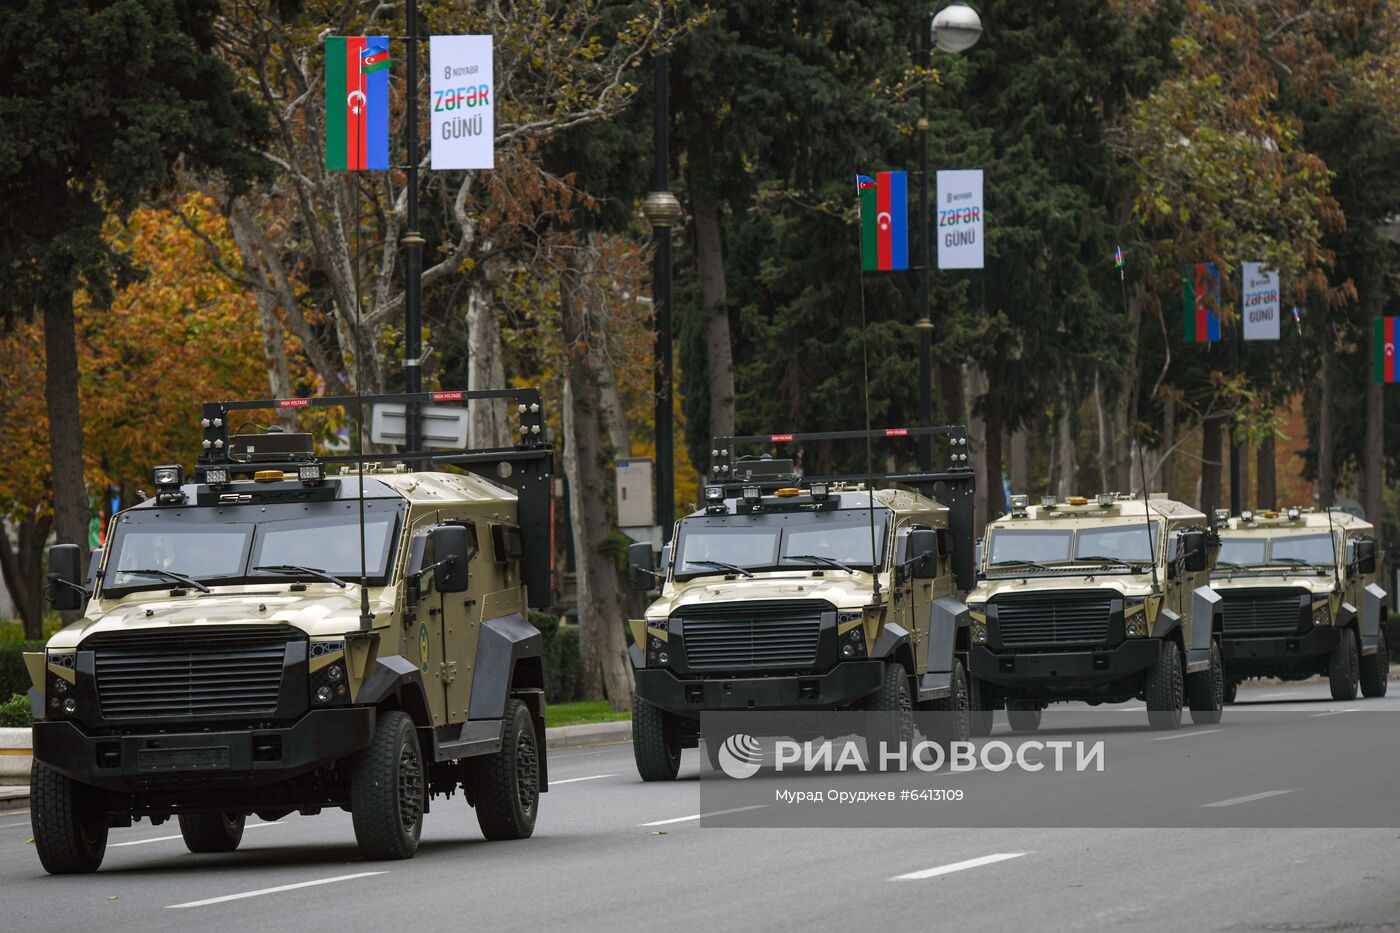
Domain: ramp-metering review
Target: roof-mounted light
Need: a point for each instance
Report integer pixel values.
(788, 492)
(1246, 516)
(169, 476)
(1222, 516)
(714, 493)
(1019, 504)
(1077, 500)
(311, 474)
(752, 494)
(1294, 513)
(819, 491)
(217, 477)
(1105, 499)
(267, 476)
(1048, 502)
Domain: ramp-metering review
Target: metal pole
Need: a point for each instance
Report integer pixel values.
(412, 247)
(661, 298)
(1236, 494)
(924, 325)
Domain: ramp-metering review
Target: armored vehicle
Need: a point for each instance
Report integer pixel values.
(287, 634)
(1300, 599)
(1100, 600)
(819, 593)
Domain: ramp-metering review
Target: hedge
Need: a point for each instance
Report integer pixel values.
(15, 713)
(561, 662)
(13, 676)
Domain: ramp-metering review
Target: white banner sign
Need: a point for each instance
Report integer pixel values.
(1261, 305)
(957, 219)
(463, 102)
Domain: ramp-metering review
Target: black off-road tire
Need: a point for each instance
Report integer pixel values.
(656, 742)
(1165, 688)
(950, 718)
(1205, 690)
(212, 832)
(506, 785)
(1344, 668)
(1232, 688)
(980, 713)
(70, 828)
(1023, 716)
(890, 714)
(1375, 669)
(387, 788)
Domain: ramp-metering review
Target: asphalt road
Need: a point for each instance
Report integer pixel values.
(611, 853)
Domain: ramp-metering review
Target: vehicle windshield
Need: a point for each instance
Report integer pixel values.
(779, 541)
(1283, 549)
(226, 552)
(1131, 543)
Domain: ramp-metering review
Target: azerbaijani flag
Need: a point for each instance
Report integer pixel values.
(1118, 257)
(357, 103)
(1200, 301)
(884, 221)
(1383, 350)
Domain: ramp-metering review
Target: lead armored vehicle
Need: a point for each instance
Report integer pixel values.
(284, 633)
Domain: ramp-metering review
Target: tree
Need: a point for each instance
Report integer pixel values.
(101, 100)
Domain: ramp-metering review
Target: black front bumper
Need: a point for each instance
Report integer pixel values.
(145, 759)
(844, 684)
(1086, 673)
(1280, 653)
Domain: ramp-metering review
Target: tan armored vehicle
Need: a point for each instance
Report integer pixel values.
(1300, 599)
(1100, 600)
(281, 635)
(806, 594)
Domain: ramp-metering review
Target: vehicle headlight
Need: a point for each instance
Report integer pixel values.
(59, 678)
(330, 681)
(658, 654)
(1135, 623)
(1322, 615)
(978, 614)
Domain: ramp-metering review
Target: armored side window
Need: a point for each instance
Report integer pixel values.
(507, 542)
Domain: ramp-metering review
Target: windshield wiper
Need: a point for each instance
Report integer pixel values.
(1228, 563)
(1019, 563)
(1101, 559)
(177, 577)
(310, 571)
(734, 568)
(817, 558)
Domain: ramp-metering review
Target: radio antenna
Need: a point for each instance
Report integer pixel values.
(366, 617)
(1332, 536)
(865, 378)
(1147, 517)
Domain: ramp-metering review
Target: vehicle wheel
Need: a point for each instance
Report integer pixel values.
(1205, 691)
(656, 742)
(212, 832)
(1375, 669)
(1165, 688)
(506, 785)
(386, 790)
(70, 829)
(1023, 716)
(1343, 668)
(950, 717)
(979, 709)
(891, 713)
(1231, 689)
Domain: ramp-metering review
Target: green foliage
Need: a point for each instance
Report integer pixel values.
(15, 713)
(14, 678)
(582, 712)
(12, 632)
(561, 657)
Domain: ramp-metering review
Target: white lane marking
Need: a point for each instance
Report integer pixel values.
(1333, 713)
(13, 825)
(1247, 798)
(958, 866)
(1186, 735)
(1278, 696)
(277, 890)
(696, 816)
(1129, 709)
(591, 777)
(141, 842)
(13, 812)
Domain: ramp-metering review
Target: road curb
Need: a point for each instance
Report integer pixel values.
(588, 734)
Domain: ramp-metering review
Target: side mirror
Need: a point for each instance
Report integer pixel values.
(1365, 557)
(94, 568)
(65, 589)
(922, 553)
(451, 556)
(1193, 545)
(641, 567)
(665, 564)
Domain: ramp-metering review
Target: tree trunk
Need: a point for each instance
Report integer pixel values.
(994, 429)
(1326, 475)
(1168, 462)
(489, 423)
(719, 354)
(1373, 451)
(605, 672)
(1105, 425)
(975, 381)
(1068, 466)
(70, 501)
(23, 570)
(1212, 431)
(1267, 495)
(1020, 461)
(1242, 453)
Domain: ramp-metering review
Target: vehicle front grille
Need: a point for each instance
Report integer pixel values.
(1261, 613)
(1054, 621)
(237, 672)
(741, 636)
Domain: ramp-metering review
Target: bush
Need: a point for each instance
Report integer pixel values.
(15, 712)
(13, 676)
(561, 661)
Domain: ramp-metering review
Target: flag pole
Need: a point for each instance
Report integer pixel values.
(865, 378)
(412, 247)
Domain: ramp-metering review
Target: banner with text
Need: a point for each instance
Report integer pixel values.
(1261, 305)
(958, 217)
(464, 112)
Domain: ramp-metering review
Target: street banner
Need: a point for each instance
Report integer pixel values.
(959, 219)
(1201, 302)
(1383, 350)
(1260, 310)
(357, 103)
(464, 102)
(884, 221)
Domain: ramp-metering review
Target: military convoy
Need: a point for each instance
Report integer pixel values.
(288, 633)
(1300, 599)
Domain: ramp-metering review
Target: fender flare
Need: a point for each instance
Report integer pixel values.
(1167, 622)
(501, 643)
(1206, 605)
(948, 615)
(1372, 609)
(396, 676)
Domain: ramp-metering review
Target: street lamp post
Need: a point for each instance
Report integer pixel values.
(663, 212)
(955, 29)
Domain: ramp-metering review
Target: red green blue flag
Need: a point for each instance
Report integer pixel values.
(1118, 257)
(1383, 350)
(1201, 302)
(884, 221)
(357, 103)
